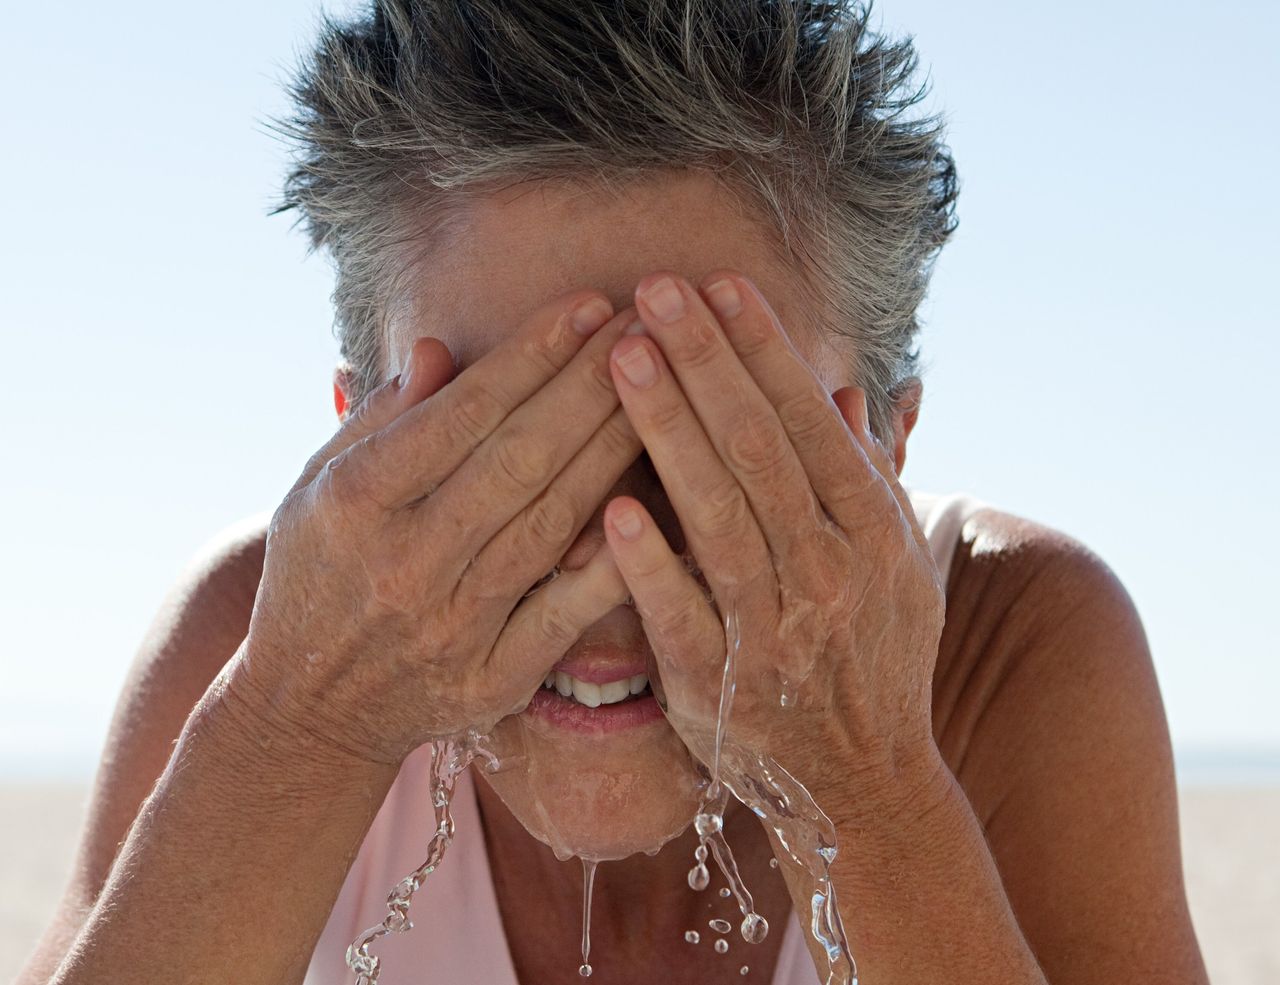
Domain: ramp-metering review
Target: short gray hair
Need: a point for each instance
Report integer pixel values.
(796, 104)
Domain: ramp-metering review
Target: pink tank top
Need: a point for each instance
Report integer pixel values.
(457, 936)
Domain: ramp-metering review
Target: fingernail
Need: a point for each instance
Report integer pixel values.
(628, 524)
(724, 298)
(664, 299)
(590, 315)
(638, 366)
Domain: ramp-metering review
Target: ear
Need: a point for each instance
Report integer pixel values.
(341, 389)
(906, 410)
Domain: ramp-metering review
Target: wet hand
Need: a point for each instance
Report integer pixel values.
(395, 601)
(794, 514)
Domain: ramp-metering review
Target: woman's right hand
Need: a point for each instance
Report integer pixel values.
(392, 605)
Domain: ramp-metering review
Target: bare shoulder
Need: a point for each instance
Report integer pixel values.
(1048, 710)
(1036, 622)
(197, 628)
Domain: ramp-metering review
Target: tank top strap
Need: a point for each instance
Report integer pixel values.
(941, 517)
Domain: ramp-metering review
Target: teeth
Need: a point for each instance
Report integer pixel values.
(586, 694)
(595, 695)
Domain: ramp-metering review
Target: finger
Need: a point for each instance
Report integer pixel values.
(525, 549)
(428, 366)
(713, 509)
(852, 402)
(836, 460)
(681, 624)
(543, 627)
(520, 459)
(742, 424)
(410, 458)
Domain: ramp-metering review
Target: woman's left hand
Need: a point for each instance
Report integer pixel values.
(794, 514)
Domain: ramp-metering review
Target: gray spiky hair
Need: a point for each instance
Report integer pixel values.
(797, 105)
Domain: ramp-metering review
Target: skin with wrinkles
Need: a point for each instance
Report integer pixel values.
(1047, 843)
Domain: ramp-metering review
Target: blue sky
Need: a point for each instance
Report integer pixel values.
(1099, 335)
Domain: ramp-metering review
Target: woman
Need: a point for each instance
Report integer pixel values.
(627, 291)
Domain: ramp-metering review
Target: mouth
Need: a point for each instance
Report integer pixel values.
(633, 711)
(600, 686)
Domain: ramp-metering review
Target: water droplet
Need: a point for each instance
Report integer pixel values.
(724, 892)
(708, 824)
(755, 928)
(773, 863)
(699, 877)
(720, 926)
(692, 936)
(722, 946)
(743, 970)
(700, 853)
(588, 884)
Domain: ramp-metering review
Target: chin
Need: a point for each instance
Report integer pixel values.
(596, 795)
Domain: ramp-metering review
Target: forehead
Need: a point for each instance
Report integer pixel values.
(503, 253)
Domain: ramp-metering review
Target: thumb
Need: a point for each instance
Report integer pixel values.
(427, 368)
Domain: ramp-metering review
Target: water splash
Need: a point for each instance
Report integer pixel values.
(709, 821)
(588, 882)
(803, 830)
(449, 758)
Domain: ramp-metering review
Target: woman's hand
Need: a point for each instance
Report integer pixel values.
(794, 514)
(392, 607)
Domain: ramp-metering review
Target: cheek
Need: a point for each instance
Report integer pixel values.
(595, 797)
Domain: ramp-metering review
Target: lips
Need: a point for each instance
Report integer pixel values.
(549, 706)
(602, 683)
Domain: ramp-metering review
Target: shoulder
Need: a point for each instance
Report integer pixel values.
(1048, 710)
(1036, 620)
(197, 628)
(205, 614)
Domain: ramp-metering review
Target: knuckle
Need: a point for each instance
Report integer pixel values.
(678, 616)
(475, 412)
(557, 624)
(347, 481)
(724, 509)
(394, 588)
(619, 438)
(668, 419)
(699, 346)
(551, 518)
(805, 418)
(598, 374)
(543, 352)
(523, 460)
(753, 337)
(756, 447)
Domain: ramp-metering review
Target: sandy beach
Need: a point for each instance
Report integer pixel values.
(1230, 845)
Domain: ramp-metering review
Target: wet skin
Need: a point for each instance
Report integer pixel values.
(1042, 704)
(561, 238)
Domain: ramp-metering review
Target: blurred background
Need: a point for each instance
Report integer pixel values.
(1099, 339)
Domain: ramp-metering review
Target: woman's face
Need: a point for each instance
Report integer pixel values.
(597, 794)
